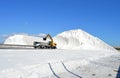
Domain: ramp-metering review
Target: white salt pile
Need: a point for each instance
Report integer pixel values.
(79, 39)
(21, 39)
(72, 39)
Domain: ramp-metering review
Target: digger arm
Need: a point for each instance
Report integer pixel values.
(52, 44)
(48, 35)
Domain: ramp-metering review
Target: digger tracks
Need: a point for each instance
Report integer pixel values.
(66, 72)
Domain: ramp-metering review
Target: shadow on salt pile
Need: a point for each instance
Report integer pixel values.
(118, 73)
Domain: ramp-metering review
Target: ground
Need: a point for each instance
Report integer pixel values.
(25, 63)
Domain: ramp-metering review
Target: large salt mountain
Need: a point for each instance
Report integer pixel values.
(72, 39)
(79, 39)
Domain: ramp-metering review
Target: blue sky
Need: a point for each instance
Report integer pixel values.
(100, 18)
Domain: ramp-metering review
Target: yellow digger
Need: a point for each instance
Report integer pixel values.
(42, 45)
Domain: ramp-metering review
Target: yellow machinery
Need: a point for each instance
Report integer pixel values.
(43, 45)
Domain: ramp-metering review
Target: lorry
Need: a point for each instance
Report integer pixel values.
(45, 45)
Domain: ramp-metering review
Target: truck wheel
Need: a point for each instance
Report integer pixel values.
(53, 47)
(42, 47)
(35, 47)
